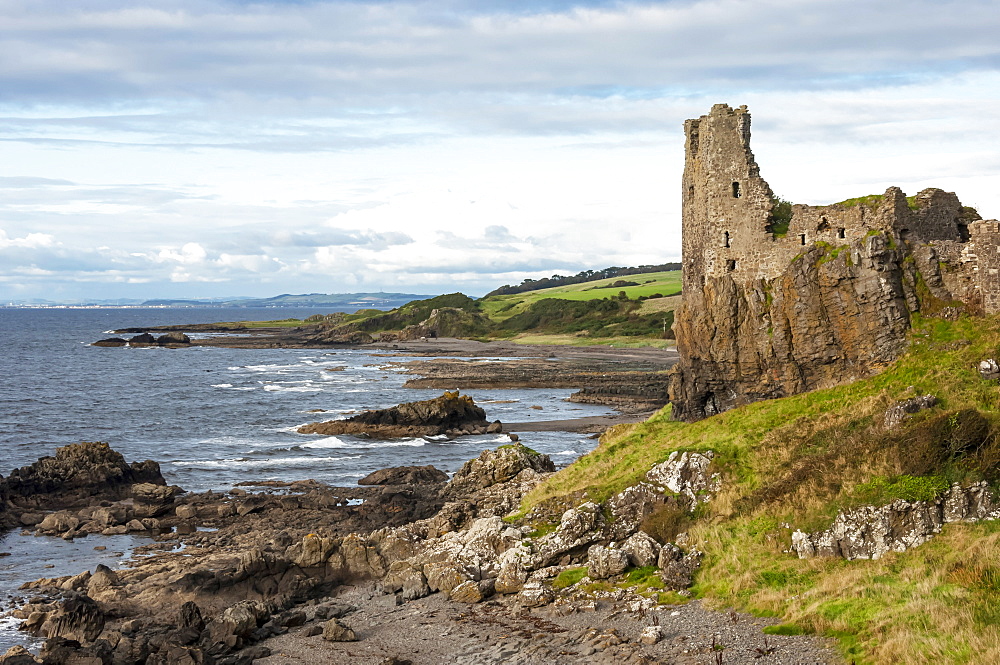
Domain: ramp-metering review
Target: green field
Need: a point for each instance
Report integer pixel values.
(500, 308)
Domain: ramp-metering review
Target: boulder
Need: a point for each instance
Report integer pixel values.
(630, 507)
(145, 339)
(334, 631)
(604, 562)
(687, 474)
(405, 475)
(989, 369)
(651, 635)
(18, 655)
(466, 592)
(173, 338)
(77, 618)
(900, 411)
(153, 500)
(678, 572)
(497, 466)
(534, 594)
(578, 527)
(404, 578)
(641, 550)
(59, 522)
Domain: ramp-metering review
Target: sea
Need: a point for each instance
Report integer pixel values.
(213, 417)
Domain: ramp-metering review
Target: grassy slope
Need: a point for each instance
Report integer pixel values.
(794, 462)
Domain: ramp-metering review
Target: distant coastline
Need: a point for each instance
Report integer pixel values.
(339, 301)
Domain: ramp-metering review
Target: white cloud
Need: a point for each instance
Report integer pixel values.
(458, 144)
(31, 240)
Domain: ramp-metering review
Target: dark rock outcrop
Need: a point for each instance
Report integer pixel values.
(110, 341)
(76, 475)
(405, 475)
(451, 413)
(77, 618)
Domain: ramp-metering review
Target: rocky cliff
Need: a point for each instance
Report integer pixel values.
(830, 317)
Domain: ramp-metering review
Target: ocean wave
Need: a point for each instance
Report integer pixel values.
(222, 385)
(272, 388)
(334, 442)
(243, 462)
(565, 452)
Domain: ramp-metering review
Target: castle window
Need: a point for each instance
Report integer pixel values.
(802, 238)
(823, 224)
(725, 240)
(841, 233)
(736, 190)
(690, 191)
(730, 265)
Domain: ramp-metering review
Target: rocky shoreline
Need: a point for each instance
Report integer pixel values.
(414, 569)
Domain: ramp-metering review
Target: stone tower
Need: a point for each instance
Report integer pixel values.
(726, 204)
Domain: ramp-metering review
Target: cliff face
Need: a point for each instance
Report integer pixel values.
(828, 318)
(776, 305)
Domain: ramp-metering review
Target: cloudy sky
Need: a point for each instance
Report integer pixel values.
(199, 148)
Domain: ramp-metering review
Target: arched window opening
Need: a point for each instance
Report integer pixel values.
(725, 239)
(802, 238)
(736, 190)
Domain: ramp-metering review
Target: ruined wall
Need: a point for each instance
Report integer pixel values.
(983, 254)
(772, 310)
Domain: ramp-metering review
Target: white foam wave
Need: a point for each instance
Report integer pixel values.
(326, 442)
(334, 442)
(565, 452)
(222, 385)
(242, 462)
(272, 388)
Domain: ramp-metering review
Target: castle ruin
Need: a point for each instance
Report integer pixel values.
(779, 299)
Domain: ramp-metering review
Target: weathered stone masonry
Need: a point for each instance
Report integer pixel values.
(771, 311)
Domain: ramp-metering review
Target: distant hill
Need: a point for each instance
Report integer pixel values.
(326, 300)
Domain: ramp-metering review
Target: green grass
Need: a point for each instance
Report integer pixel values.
(875, 200)
(569, 577)
(500, 308)
(795, 462)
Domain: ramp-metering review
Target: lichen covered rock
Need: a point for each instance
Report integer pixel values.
(871, 532)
